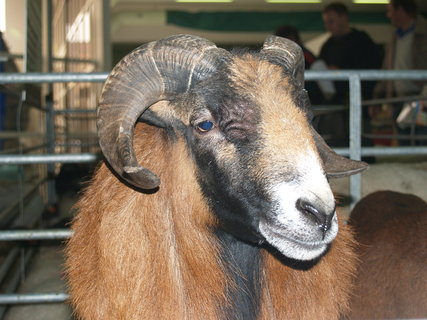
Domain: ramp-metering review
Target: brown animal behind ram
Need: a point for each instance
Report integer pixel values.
(391, 281)
(243, 224)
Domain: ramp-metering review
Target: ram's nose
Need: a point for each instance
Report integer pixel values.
(318, 215)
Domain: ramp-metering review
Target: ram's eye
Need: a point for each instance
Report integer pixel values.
(205, 126)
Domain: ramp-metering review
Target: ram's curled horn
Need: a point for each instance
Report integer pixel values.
(286, 53)
(153, 72)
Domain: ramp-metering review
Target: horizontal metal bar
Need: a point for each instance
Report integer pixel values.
(50, 234)
(48, 158)
(417, 137)
(90, 157)
(321, 109)
(74, 60)
(385, 151)
(393, 151)
(7, 56)
(39, 77)
(82, 145)
(366, 74)
(393, 100)
(23, 150)
(32, 298)
(20, 134)
(74, 111)
(9, 213)
(77, 135)
(4, 56)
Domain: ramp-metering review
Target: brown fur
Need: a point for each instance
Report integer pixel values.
(392, 278)
(128, 246)
(152, 256)
(283, 125)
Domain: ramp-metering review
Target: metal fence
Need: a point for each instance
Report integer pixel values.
(354, 151)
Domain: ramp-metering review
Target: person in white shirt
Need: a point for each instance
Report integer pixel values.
(407, 50)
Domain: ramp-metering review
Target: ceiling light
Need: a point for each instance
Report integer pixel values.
(371, 1)
(204, 1)
(293, 1)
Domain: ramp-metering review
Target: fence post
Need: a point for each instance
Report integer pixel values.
(50, 134)
(355, 134)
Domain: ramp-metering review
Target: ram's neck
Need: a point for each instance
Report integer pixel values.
(243, 264)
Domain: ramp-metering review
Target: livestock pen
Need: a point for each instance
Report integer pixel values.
(354, 151)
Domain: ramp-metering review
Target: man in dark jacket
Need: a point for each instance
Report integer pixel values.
(347, 48)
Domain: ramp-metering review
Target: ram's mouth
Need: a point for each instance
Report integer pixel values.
(292, 244)
(314, 245)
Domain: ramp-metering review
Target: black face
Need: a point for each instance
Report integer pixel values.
(224, 129)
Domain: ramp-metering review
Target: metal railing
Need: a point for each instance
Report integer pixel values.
(355, 150)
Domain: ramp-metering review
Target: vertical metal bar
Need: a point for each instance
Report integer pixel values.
(25, 58)
(27, 28)
(413, 124)
(50, 134)
(49, 36)
(14, 281)
(106, 35)
(355, 134)
(50, 121)
(8, 262)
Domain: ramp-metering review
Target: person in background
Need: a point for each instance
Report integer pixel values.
(347, 48)
(407, 50)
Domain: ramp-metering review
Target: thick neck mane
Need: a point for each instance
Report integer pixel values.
(157, 255)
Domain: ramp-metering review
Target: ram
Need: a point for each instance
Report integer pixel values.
(242, 225)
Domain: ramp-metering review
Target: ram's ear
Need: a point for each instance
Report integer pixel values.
(336, 166)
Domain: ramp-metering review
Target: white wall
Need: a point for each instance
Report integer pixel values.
(14, 34)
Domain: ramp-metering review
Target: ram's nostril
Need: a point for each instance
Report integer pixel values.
(322, 219)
